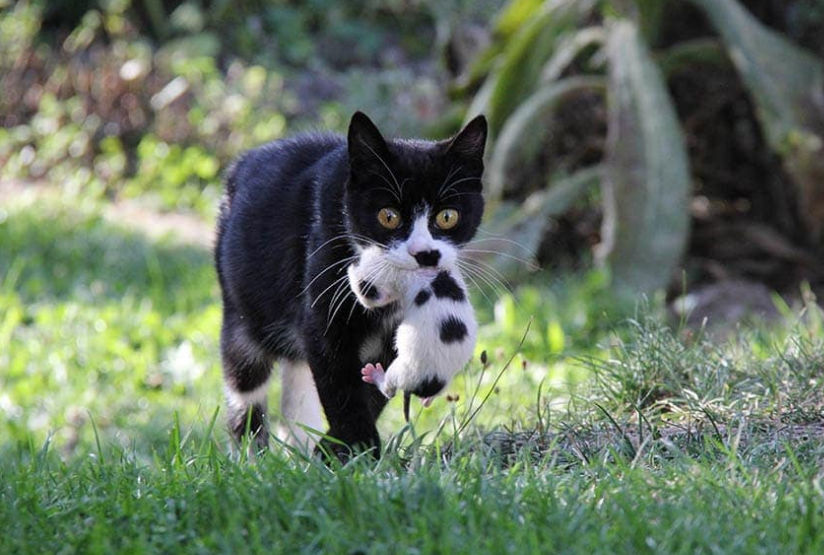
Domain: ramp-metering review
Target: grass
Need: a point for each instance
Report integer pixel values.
(604, 435)
(208, 504)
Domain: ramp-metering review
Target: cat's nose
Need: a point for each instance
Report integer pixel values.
(428, 258)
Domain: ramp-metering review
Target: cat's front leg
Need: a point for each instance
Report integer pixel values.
(350, 405)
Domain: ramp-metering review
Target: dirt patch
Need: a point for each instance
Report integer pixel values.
(178, 227)
(576, 446)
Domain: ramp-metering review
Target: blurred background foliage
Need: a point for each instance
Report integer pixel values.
(152, 97)
(672, 141)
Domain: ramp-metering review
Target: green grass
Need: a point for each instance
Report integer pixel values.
(605, 434)
(207, 504)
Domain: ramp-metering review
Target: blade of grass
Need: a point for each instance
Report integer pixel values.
(506, 366)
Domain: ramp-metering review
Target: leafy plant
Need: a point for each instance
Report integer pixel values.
(107, 112)
(549, 53)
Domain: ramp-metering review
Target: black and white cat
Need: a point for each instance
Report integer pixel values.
(295, 215)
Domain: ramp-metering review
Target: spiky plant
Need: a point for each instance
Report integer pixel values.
(644, 175)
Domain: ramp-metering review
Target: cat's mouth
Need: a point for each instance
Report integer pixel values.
(418, 271)
(413, 268)
(423, 270)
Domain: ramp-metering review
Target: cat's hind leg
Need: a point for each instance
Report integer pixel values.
(299, 405)
(246, 371)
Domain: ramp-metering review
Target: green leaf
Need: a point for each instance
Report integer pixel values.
(514, 15)
(787, 86)
(480, 102)
(526, 53)
(509, 21)
(524, 133)
(684, 55)
(650, 15)
(647, 180)
(568, 49)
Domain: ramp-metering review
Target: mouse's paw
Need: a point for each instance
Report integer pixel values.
(373, 374)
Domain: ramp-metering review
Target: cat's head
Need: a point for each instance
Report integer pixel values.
(414, 203)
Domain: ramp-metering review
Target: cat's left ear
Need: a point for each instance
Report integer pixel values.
(469, 143)
(367, 146)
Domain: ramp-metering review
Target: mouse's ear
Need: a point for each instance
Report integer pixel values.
(470, 141)
(367, 146)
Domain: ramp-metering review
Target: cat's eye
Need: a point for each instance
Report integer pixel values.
(447, 218)
(389, 218)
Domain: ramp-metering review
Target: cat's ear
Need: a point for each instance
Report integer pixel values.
(366, 144)
(469, 143)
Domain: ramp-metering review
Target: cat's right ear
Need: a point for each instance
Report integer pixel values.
(367, 146)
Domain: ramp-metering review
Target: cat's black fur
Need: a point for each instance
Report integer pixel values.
(292, 212)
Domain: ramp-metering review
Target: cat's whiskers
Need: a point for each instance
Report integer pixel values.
(492, 237)
(490, 270)
(470, 276)
(343, 292)
(322, 293)
(452, 171)
(351, 312)
(497, 286)
(388, 190)
(335, 238)
(339, 285)
(447, 197)
(385, 165)
(453, 183)
(483, 284)
(529, 264)
(330, 267)
(404, 183)
(346, 235)
(367, 240)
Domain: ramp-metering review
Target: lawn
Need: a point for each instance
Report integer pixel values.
(609, 431)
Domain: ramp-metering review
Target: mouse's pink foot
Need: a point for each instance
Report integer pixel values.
(426, 401)
(373, 373)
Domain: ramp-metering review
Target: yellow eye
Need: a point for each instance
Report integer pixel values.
(389, 218)
(447, 219)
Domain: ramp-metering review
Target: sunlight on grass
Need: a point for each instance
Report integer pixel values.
(580, 431)
(104, 323)
(107, 325)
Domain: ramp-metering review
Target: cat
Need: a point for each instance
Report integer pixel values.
(294, 215)
(436, 336)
